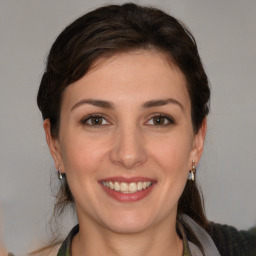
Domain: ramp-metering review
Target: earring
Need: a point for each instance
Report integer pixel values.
(60, 174)
(192, 172)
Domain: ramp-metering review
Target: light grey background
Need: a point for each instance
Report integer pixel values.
(226, 35)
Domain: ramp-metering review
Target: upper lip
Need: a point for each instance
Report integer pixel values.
(127, 179)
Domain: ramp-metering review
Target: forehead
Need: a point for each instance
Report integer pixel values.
(140, 75)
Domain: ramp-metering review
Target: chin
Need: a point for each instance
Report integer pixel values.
(127, 228)
(128, 223)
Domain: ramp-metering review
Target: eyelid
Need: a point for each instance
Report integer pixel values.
(169, 118)
(161, 115)
(88, 117)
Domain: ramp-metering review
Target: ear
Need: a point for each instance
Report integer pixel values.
(54, 146)
(198, 143)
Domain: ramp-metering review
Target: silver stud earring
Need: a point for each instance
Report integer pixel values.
(60, 174)
(192, 172)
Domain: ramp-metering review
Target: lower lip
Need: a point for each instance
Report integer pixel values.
(128, 197)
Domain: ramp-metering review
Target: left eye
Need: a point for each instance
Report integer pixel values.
(160, 120)
(95, 120)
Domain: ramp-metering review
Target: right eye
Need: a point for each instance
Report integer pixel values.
(95, 120)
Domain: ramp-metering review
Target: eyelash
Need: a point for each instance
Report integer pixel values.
(99, 116)
(167, 118)
(170, 120)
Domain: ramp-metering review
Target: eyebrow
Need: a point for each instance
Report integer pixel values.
(109, 105)
(97, 103)
(157, 103)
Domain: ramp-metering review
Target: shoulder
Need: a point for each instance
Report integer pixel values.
(231, 242)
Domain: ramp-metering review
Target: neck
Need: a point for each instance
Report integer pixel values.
(159, 240)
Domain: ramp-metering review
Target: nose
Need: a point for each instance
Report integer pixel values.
(128, 149)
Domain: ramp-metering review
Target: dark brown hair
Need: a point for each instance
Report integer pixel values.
(114, 29)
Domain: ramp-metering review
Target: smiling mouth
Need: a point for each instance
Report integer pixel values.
(128, 188)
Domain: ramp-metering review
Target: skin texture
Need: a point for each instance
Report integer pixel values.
(3, 251)
(128, 143)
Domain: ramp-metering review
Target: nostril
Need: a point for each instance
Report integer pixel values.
(128, 148)
(129, 159)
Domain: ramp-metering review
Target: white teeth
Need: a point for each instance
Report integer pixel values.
(139, 186)
(132, 187)
(116, 186)
(127, 187)
(124, 187)
(111, 185)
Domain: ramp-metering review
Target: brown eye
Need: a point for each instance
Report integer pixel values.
(95, 120)
(160, 120)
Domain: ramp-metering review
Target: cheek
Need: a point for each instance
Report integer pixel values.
(82, 155)
(172, 153)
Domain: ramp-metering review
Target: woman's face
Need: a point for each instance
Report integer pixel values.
(126, 142)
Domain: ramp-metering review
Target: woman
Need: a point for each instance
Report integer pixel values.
(124, 100)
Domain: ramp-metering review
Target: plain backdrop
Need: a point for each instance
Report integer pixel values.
(225, 31)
